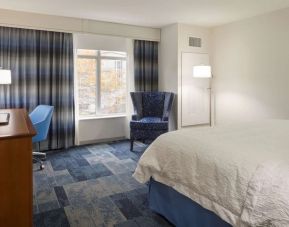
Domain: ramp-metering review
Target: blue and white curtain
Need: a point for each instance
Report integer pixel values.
(41, 63)
(146, 65)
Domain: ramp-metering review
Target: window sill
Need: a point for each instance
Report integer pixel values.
(102, 117)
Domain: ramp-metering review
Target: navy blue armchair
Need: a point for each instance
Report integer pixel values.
(152, 110)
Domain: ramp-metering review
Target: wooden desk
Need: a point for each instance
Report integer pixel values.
(16, 189)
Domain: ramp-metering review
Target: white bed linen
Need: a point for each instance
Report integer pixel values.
(234, 171)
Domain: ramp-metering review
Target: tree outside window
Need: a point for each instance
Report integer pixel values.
(101, 82)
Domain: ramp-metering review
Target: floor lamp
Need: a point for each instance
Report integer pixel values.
(204, 72)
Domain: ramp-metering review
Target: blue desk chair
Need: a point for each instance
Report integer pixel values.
(41, 118)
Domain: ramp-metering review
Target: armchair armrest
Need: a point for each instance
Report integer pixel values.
(135, 117)
(165, 118)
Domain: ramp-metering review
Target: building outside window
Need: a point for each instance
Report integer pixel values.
(101, 77)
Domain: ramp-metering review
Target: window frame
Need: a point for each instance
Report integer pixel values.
(98, 59)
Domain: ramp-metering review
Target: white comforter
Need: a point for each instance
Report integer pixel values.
(239, 172)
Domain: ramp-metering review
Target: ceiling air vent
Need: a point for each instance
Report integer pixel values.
(195, 42)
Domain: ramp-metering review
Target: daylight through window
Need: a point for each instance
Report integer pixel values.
(101, 82)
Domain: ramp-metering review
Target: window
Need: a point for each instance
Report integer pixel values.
(101, 82)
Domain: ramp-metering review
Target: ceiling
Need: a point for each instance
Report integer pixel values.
(152, 13)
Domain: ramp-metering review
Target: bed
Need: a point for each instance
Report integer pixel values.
(229, 175)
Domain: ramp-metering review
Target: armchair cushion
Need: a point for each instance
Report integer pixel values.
(149, 123)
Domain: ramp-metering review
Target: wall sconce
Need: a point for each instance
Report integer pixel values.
(5, 76)
(202, 71)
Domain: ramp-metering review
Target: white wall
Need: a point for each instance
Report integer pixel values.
(97, 130)
(251, 68)
(168, 67)
(76, 25)
(174, 41)
(185, 31)
(100, 42)
(104, 129)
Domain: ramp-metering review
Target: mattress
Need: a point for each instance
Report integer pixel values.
(239, 172)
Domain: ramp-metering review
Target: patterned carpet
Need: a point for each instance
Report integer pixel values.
(92, 186)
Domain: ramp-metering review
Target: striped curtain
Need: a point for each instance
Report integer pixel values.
(146, 65)
(41, 64)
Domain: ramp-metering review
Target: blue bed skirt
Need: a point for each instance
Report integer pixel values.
(180, 210)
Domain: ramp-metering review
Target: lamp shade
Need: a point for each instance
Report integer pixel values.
(5, 76)
(202, 71)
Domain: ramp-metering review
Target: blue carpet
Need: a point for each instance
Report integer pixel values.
(92, 186)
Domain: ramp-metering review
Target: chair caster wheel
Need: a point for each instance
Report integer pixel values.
(42, 166)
